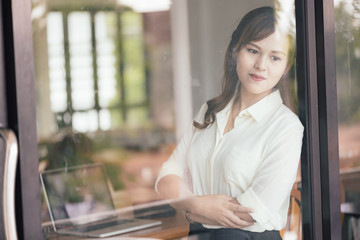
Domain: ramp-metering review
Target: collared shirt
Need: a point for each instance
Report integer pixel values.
(256, 162)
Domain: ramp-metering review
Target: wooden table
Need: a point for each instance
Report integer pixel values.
(171, 228)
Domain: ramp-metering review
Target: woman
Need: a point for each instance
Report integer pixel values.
(234, 169)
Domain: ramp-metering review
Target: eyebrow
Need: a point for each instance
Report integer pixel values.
(276, 52)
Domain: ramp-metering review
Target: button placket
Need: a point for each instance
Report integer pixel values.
(218, 141)
(212, 160)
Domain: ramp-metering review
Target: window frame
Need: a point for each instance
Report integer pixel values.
(20, 112)
(123, 106)
(318, 111)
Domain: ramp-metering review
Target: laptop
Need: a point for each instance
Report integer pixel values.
(80, 203)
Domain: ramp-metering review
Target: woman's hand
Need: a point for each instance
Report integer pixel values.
(220, 210)
(242, 215)
(210, 209)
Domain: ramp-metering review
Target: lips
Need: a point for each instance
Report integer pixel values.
(257, 78)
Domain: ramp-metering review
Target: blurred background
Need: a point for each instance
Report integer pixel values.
(118, 81)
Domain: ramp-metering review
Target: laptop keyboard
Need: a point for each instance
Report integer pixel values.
(103, 225)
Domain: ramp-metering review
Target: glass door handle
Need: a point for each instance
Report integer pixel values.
(8, 198)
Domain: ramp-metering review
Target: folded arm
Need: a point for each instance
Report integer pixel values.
(210, 209)
(270, 189)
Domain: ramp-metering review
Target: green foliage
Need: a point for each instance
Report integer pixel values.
(114, 172)
(70, 149)
(134, 62)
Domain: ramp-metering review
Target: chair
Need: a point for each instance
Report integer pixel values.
(294, 221)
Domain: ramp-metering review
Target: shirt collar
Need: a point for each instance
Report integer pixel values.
(257, 111)
(265, 105)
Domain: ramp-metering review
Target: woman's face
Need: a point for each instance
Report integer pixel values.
(261, 64)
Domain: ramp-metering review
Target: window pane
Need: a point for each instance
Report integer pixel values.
(111, 119)
(85, 121)
(55, 41)
(107, 63)
(122, 86)
(347, 33)
(134, 74)
(82, 79)
(96, 59)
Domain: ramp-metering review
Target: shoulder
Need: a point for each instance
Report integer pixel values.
(288, 116)
(285, 129)
(286, 121)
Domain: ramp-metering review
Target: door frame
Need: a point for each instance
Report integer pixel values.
(20, 114)
(318, 111)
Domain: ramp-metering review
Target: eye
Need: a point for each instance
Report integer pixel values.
(275, 58)
(253, 51)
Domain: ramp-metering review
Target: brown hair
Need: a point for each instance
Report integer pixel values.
(254, 26)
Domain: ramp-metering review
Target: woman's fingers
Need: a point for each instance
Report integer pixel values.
(237, 222)
(241, 213)
(230, 218)
(224, 211)
(244, 216)
(236, 207)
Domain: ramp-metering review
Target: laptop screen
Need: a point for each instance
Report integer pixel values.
(77, 192)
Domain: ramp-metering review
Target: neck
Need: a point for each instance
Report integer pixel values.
(247, 99)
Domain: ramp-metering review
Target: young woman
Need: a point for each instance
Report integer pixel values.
(235, 168)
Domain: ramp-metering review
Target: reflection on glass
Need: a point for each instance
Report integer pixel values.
(95, 71)
(106, 92)
(347, 33)
(77, 192)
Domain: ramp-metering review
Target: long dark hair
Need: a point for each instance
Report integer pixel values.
(254, 26)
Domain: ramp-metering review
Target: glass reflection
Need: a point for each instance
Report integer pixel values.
(106, 91)
(347, 36)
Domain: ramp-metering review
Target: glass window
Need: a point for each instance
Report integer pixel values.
(96, 64)
(118, 85)
(348, 86)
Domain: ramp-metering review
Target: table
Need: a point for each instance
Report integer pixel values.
(171, 228)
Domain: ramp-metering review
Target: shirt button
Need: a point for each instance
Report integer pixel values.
(244, 115)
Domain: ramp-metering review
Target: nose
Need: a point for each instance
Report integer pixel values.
(260, 63)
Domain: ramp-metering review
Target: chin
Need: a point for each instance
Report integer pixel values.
(257, 92)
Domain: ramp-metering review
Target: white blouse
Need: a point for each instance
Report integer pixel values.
(256, 162)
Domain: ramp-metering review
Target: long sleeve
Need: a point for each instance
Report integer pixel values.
(270, 189)
(176, 164)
